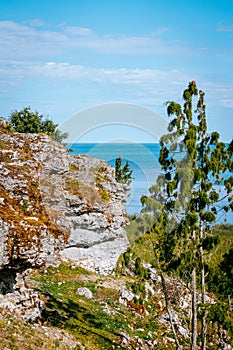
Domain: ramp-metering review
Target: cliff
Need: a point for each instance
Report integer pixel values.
(55, 207)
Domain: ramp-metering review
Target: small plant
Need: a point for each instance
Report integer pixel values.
(25, 206)
(74, 167)
(123, 174)
(126, 257)
(101, 177)
(102, 170)
(2, 144)
(138, 266)
(72, 186)
(105, 195)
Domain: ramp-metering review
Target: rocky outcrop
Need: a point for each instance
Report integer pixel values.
(53, 203)
(94, 210)
(56, 206)
(17, 297)
(29, 236)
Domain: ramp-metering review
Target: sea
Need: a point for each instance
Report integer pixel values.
(143, 160)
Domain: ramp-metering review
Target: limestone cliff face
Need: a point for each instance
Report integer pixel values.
(53, 206)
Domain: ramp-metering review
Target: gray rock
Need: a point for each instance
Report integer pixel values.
(55, 206)
(183, 331)
(79, 195)
(165, 318)
(154, 276)
(4, 232)
(85, 292)
(126, 296)
(24, 302)
(101, 258)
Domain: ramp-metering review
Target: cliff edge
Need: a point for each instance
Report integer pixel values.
(54, 204)
(55, 207)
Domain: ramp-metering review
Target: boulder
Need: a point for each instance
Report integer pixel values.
(85, 292)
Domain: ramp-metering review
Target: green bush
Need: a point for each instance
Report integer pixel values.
(27, 121)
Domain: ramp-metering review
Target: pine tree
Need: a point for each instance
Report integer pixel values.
(123, 174)
(185, 200)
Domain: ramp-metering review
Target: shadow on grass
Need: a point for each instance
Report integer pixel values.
(81, 320)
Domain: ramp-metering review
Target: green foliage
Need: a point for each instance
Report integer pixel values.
(140, 270)
(123, 174)
(25, 205)
(210, 242)
(27, 121)
(185, 194)
(60, 136)
(138, 288)
(184, 201)
(126, 257)
(220, 315)
(220, 277)
(227, 265)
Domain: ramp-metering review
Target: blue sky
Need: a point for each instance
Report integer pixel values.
(63, 57)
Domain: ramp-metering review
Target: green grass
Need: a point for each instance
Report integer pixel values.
(226, 234)
(83, 318)
(141, 246)
(17, 335)
(87, 319)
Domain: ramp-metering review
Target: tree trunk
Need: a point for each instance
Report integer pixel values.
(194, 311)
(169, 311)
(203, 319)
(229, 302)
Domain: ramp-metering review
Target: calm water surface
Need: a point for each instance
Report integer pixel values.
(143, 159)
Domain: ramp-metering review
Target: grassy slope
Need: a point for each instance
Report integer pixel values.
(16, 335)
(99, 322)
(141, 243)
(226, 234)
(88, 319)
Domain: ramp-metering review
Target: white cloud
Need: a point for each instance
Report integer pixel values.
(35, 22)
(28, 40)
(122, 76)
(25, 47)
(78, 31)
(145, 86)
(21, 41)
